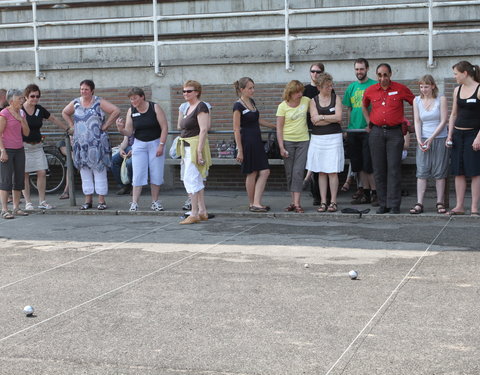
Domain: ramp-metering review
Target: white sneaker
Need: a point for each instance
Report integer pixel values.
(45, 206)
(133, 207)
(187, 206)
(156, 206)
(29, 206)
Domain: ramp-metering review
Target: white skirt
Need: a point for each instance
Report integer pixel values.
(325, 154)
(35, 159)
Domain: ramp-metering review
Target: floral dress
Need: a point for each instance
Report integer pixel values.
(91, 146)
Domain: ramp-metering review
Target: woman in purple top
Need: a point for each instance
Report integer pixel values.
(12, 155)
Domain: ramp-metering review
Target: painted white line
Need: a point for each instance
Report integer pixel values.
(383, 308)
(83, 257)
(127, 284)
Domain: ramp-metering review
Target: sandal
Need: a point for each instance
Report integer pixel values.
(86, 206)
(322, 208)
(440, 208)
(64, 195)
(7, 215)
(257, 209)
(418, 209)
(299, 210)
(290, 208)
(346, 185)
(359, 193)
(332, 207)
(101, 206)
(19, 212)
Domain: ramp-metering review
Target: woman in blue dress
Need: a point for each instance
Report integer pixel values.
(251, 151)
(91, 146)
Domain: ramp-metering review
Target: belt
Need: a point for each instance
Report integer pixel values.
(387, 127)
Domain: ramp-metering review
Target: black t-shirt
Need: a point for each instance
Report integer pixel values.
(35, 122)
(146, 126)
(189, 125)
(310, 91)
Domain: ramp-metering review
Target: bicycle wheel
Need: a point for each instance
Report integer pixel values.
(56, 173)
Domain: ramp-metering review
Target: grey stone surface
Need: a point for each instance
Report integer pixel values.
(140, 294)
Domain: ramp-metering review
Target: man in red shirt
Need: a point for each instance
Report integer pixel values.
(385, 120)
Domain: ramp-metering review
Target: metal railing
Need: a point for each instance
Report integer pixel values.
(286, 12)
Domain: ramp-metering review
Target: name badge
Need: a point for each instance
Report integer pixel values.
(37, 112)
(471, 100)
(245, 111)
(393, 93)
(136, 114)
(332, 109)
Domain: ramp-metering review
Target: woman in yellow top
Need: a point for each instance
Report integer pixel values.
(293, 139)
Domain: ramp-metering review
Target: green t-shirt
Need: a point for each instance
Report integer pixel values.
(353, 99)
(295, 128)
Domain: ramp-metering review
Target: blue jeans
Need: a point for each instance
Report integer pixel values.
(117, 161)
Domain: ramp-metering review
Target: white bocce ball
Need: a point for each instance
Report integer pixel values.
(353, 274)
(28, 310)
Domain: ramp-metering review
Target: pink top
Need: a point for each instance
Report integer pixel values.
(12, 135)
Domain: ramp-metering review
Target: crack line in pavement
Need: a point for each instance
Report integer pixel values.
(384, 307)
(171, 265)
(85, 256)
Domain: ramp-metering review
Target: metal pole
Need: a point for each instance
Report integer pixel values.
(288, 67)
(431, 63)
(35, 38)
(155, 37)
(70, 174)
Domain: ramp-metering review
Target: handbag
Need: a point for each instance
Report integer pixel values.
(271, 147)
(124, 172)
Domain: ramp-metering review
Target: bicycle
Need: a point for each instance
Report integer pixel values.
(56, 171)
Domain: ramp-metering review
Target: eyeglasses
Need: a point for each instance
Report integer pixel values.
(188, 91)
(34, 96)
(316, 71)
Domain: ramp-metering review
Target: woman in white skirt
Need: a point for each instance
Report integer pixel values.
(35, 160)
(325, 153)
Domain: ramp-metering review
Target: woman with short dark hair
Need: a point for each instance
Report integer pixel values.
(91, 146)
(12, 155)
(147, 122)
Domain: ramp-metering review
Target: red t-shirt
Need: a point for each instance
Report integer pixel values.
(387, 104)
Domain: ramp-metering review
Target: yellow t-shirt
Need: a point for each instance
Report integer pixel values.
(295, 128)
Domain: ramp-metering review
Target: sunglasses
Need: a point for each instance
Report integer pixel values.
(188, 91)
(316, 71)
(34, 96)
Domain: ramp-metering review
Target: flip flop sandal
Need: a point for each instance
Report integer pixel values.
(322, 208)
(64, 195)
(332, 207)
(257, 209)
(19, 212)
(415, 211)
(290, 208)
(455, 213)
(7, 215)
(299, 210)
(102, 206)
(86, 206)
(440, 208)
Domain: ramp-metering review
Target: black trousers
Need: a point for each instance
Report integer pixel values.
(386, 146)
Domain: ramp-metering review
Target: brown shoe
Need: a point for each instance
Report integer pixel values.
(190, 220)
(203, 217)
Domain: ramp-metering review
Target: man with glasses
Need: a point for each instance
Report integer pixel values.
(358, 149)
(311, 91)
(386, 141)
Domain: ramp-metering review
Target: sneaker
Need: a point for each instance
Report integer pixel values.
(133, 207)
(29, 206)
(187, 206)
(156, 206)
(45, 206)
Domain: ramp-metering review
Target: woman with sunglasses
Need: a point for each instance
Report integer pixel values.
(35, 160)
(195, 150)
(147, 122)
(12, 155)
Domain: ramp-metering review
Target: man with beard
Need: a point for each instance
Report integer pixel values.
(358, 149)
(386, 138)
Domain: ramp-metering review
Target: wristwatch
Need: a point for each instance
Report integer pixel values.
(322, 118)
